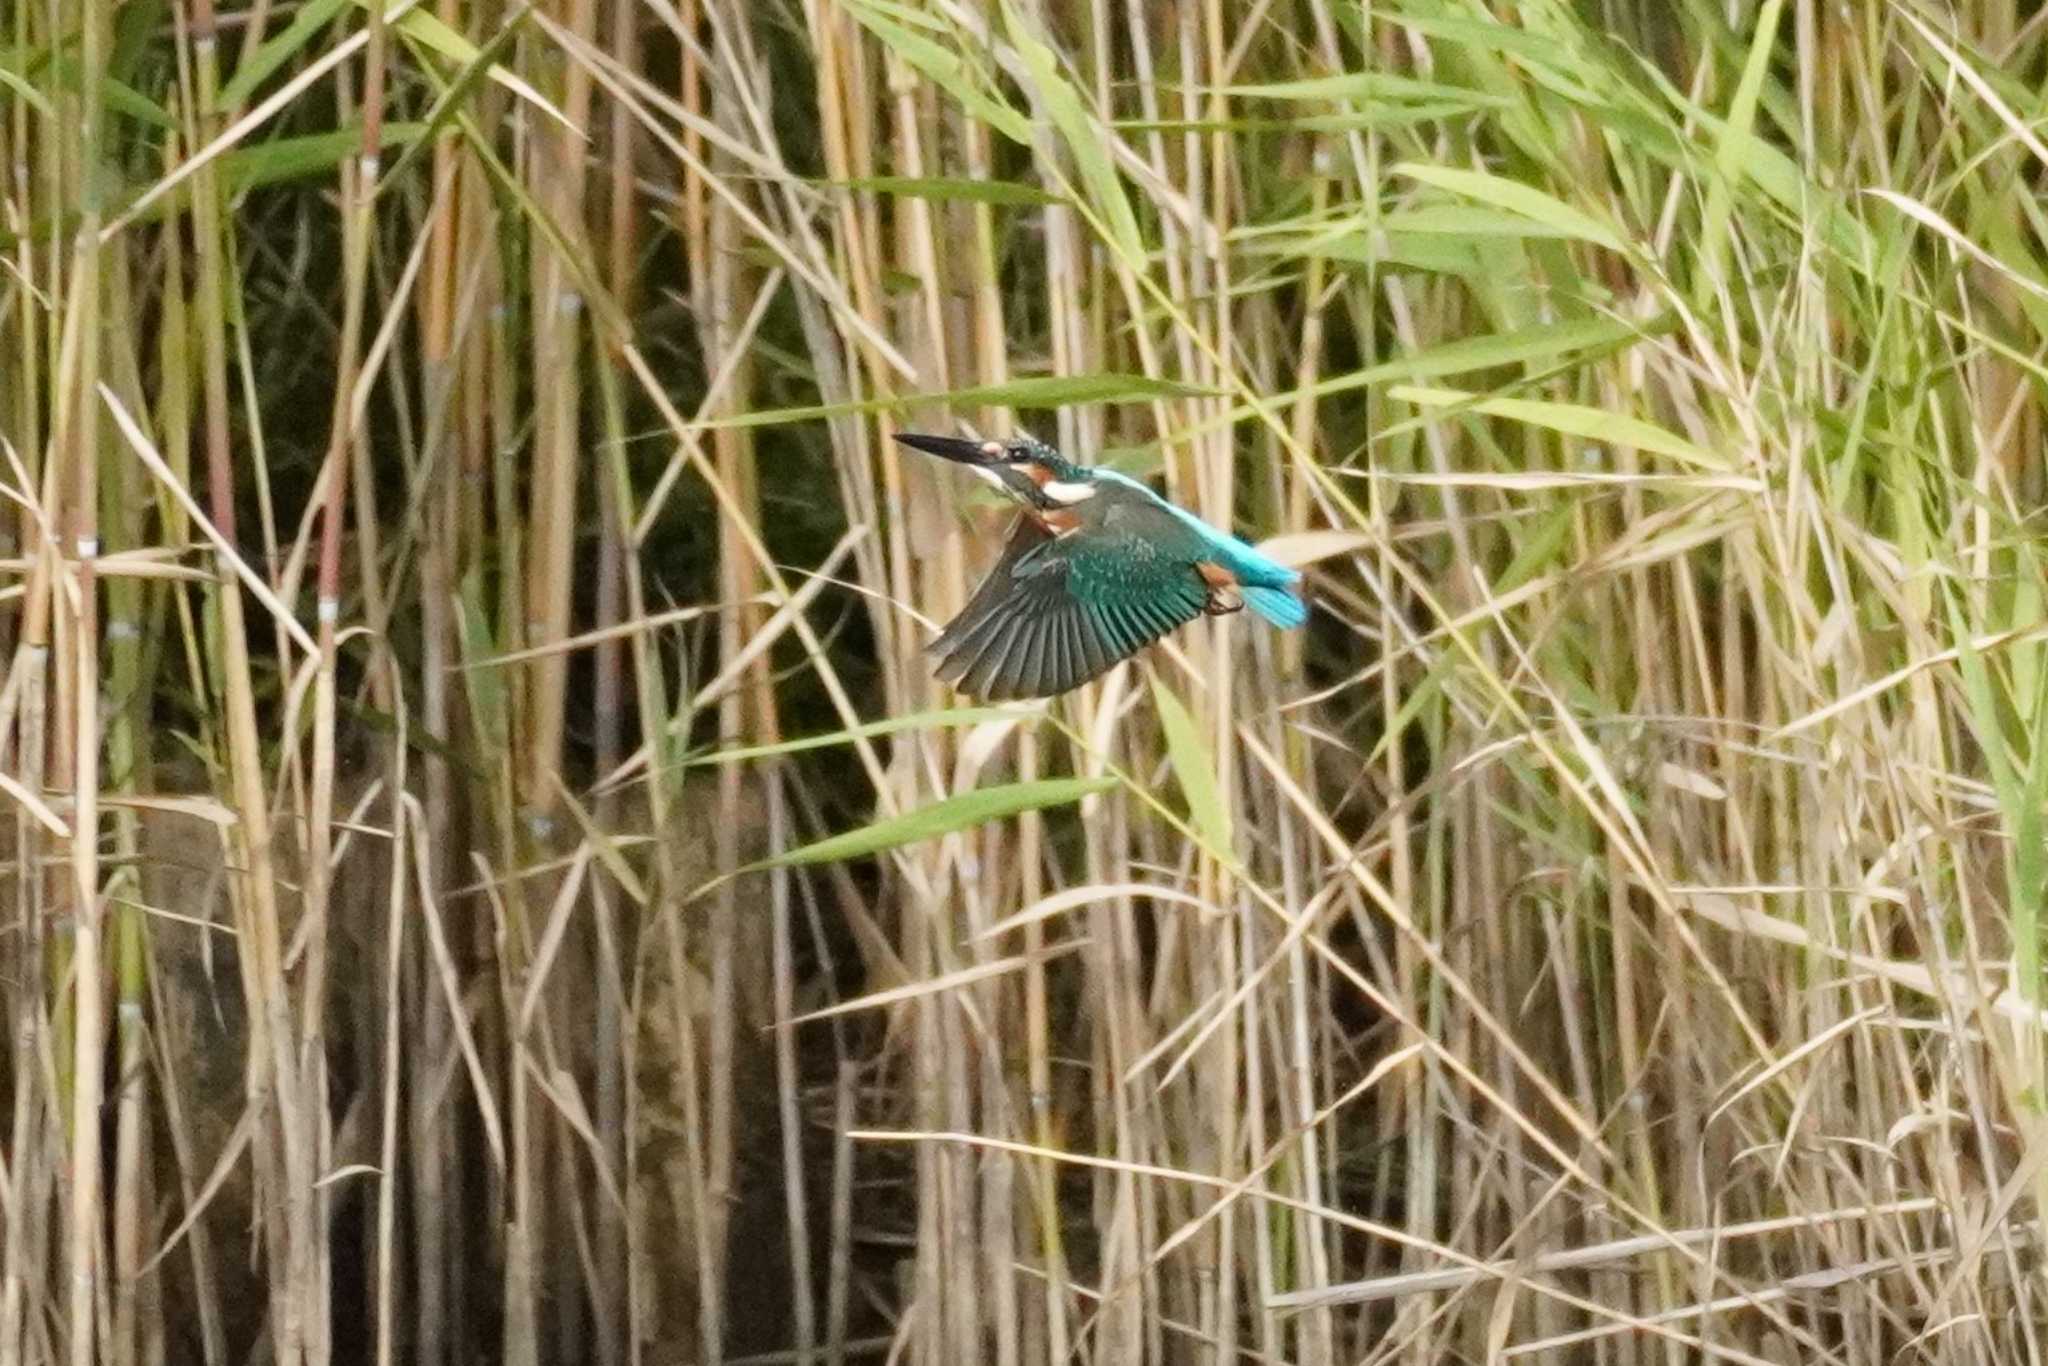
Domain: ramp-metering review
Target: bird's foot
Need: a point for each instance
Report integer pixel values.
(1223, 601)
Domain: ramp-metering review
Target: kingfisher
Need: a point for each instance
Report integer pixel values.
(1096, 568)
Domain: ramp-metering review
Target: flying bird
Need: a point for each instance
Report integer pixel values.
(1097, 567)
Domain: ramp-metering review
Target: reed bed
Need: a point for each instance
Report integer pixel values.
(490, 876)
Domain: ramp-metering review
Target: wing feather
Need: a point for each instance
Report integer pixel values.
(990, 668)
(1052, 655)
(1054, 613)
(1070, 650)
(958, 655)
(1043, 680)
(1026, 538)
(1039, 676)
(1091, 659)
(1028, 661)
(1119, 634)
(1020, 661)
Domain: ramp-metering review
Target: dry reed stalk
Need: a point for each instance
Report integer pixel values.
(451, 452)
(74, 515)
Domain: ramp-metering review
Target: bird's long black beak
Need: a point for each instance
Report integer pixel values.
(952, 447)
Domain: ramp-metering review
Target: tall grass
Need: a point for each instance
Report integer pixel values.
(491, 877)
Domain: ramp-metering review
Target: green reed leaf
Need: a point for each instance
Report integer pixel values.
(1195, 766)
(944, 817)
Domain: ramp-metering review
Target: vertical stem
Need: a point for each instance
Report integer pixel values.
(392, 1061)
(124, 502)
(24, 749)
(78, 371)
(557, 165)
(698, 1212)
(358, 207)
(282, 1150)
(803, 1307)
(451, 461)
(27, 1226)
(617, 1279)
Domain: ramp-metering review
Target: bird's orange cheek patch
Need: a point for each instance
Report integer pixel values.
(1059, 521)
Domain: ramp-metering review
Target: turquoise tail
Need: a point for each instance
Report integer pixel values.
(1277, 605)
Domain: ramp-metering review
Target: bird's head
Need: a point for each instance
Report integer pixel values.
(1023, 467)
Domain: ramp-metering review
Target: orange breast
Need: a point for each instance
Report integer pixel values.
(1215, 575)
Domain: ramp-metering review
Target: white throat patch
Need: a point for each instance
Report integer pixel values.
(1069, 494)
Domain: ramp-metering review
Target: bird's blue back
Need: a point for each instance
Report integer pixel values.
(1264, 581)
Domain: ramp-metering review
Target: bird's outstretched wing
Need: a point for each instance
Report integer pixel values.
(1056, 612)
